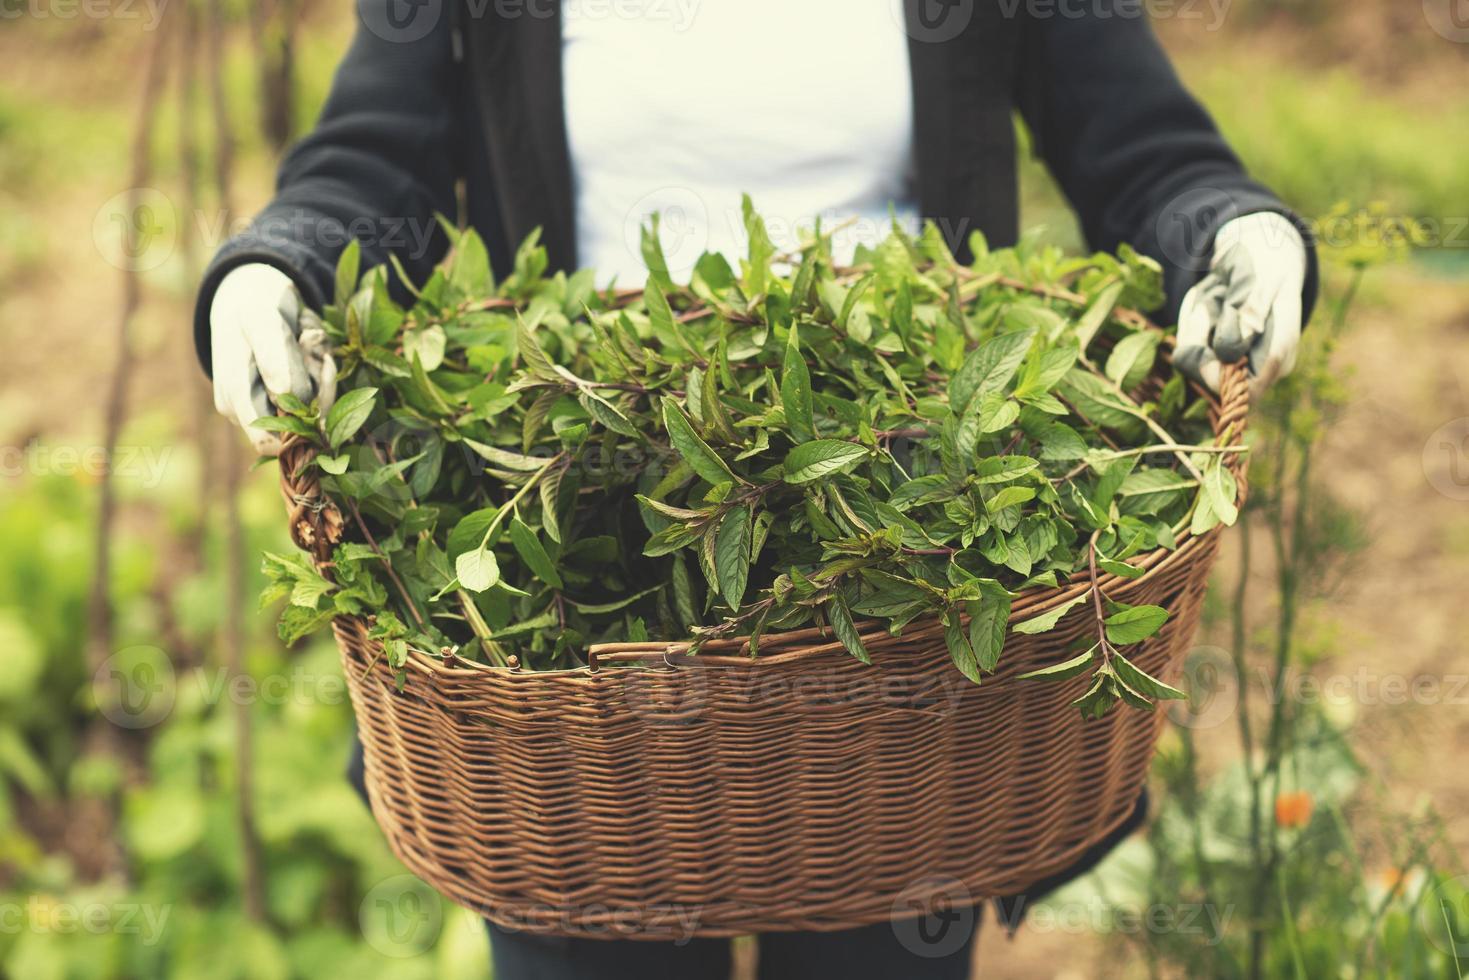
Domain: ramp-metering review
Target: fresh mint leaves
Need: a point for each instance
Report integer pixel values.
(539, 465)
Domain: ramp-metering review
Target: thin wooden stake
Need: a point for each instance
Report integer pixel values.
(103, 738)
(233, 640)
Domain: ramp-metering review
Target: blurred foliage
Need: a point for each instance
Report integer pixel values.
(1264, 859)
(1318, 137)
(178, 911)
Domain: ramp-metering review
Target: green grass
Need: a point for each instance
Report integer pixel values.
(1321, 138)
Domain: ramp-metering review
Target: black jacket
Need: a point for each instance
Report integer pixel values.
(449, 90)
(437, 91)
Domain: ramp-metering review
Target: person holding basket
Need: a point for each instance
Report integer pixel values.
(584, 120)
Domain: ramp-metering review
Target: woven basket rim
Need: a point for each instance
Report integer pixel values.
(307, 505)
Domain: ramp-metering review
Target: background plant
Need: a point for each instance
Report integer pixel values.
(1271, 845)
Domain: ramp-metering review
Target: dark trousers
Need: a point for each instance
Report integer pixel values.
(935, 947)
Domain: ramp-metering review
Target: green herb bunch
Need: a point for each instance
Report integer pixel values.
(530, 465)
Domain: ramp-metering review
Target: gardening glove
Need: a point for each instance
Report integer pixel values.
(264, 344)
(1248, 304)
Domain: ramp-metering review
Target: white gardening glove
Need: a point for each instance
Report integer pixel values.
(263, 344)
(1248, 304)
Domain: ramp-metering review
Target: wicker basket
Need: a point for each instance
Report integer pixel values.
(656, 795)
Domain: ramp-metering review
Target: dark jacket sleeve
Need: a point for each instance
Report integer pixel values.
(1137, 156)
(381, 162)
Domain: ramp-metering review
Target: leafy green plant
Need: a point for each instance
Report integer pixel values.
(1265, 855)
(175, 908)
(527, 466)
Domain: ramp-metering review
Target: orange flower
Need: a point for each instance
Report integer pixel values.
(1391, 879)
(1293, 809)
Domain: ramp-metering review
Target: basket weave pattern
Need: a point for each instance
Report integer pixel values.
(657, 795)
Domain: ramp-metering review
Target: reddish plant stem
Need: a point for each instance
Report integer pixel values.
(1097, 610)
(387, 565)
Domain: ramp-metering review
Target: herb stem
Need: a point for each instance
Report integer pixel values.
(1135, 410)
(825, 237)
(1148, 450)
(1097, 611)
(480, 628)
(525, 488)
(1121, 314)
(387, 565)
(1172, 447)
(620, 386)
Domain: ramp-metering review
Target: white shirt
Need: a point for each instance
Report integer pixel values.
(679, 106)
